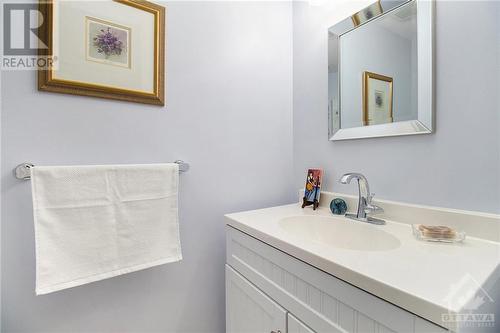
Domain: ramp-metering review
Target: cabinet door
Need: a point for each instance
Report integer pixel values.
(249, 310)
(296, 326)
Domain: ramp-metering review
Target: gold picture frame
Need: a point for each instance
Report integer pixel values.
(377, 104)
(367, 14)
(47, 81)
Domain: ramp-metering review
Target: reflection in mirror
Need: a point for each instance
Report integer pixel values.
(373, 71)
(388, 72)
(333, 77)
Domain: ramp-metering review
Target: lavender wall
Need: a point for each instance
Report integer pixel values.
(228, 113)
(456, 167)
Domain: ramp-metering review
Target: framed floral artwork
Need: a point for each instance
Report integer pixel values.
(110, 49)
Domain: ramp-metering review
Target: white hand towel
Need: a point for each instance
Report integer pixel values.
(96, 222)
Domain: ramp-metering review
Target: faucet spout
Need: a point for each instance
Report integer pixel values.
(364, 199)
(346, 179)
(364, 189)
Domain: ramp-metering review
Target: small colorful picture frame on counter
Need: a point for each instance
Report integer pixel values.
(312, 188)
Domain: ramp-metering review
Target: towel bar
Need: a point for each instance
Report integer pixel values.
(22, 171)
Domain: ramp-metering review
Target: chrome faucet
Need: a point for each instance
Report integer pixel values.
(365, 205)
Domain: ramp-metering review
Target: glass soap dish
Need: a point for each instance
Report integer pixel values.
(437, 233)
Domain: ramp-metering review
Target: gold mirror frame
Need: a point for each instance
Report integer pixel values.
(46, 81)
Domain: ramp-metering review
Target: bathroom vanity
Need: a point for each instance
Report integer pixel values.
(297, 270)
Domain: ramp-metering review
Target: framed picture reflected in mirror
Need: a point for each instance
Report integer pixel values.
(377, 99)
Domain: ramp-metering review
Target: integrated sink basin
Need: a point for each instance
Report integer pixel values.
(340, 232)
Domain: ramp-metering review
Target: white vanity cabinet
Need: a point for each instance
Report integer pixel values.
(296, 326)
(268, 291)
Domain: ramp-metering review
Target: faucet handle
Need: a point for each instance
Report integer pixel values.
(373, 209)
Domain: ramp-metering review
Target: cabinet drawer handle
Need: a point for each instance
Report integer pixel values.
(278, 331)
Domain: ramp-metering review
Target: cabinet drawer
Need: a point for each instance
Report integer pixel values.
(321, 301)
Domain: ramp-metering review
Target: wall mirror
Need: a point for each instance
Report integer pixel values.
(380, 71)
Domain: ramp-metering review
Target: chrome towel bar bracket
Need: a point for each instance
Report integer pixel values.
(23, 172)
(183, 166)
